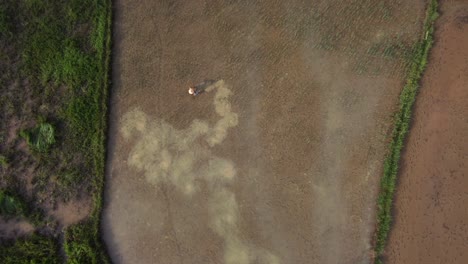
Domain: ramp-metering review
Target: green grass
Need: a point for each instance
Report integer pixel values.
(33, 250)
(53, 51)
(402, 122)
(83, 244)
(64, 47)
(88, 115)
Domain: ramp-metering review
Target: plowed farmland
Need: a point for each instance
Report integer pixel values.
(279, 160)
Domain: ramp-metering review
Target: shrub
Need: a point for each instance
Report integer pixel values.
(40, 138)
(10, 205)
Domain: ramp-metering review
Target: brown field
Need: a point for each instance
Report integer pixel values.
(431, 213)
(279, 160)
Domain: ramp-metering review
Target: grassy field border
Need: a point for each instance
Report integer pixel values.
(402, 123)
(63, 49)
(84, 242)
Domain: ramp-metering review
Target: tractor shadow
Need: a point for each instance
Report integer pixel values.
(204, 85)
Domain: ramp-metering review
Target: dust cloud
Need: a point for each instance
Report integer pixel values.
(182, 158)
(223, 109)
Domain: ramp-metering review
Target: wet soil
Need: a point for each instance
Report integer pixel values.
(279, 161)
(431, 216)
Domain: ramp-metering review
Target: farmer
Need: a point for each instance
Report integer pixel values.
(194, 91)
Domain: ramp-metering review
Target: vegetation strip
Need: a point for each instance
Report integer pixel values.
(402, 121)
(60, 51)
(83, 242)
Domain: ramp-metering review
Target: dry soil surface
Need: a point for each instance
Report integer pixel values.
(14, 228)
(431, 212)
(279, 159)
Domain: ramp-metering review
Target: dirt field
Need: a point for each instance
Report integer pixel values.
(431, 223)
(278, 161)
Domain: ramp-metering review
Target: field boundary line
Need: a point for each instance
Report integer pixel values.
(400, 130)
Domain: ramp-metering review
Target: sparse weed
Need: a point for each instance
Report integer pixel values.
(3, 161)
(390, 49)
(70, 179)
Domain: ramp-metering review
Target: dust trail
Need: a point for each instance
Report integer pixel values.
(168, 155)
(223, 109)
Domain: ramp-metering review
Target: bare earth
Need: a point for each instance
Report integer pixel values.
(279, 160)
(431, 223)
(14, 228)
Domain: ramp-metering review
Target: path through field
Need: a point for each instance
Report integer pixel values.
(279, 160)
